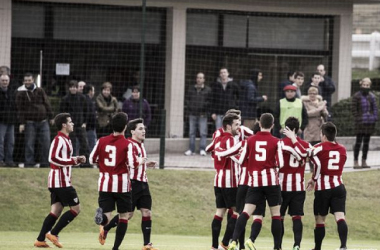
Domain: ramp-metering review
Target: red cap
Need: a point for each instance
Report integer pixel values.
(290, 87)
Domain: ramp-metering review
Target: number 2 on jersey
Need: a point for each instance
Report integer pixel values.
(334, 160)
(111, 160)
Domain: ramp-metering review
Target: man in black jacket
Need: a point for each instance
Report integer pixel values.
(75, 104)
(7, 121)
(225, 96)
(197, 103)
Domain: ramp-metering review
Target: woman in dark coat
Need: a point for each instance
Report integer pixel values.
(365, 113)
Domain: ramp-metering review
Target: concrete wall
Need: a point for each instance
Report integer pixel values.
(5, 32)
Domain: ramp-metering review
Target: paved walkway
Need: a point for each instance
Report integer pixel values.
(197, 162)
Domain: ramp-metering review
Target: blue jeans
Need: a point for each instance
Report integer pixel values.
(91, 138)
(42, 131)
(201, 121)
(218, 122)
(7, 142)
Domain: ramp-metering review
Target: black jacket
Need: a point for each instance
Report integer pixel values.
(76, 105)
(91, 113)
(224, 99)
(198, 102)
(7, 106)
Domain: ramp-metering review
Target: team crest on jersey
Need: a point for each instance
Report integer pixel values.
(76, 200)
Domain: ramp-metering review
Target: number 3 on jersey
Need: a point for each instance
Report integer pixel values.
(261, 153)
(111, 160)
(334, 160)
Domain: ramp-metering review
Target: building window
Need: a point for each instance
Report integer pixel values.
(202, 29)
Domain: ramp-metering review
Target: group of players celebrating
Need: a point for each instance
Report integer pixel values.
(122, 181)
(253, 167)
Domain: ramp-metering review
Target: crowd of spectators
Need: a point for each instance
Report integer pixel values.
(308, 99)
(28, 106)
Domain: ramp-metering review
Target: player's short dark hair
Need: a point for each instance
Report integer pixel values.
(28, 74)
(266, 120)
(256, 127)
(298, 73)
(316, 73)
(132, 125)
(229, 118)
(119, 121)
(73, 83)
(292, 123)
(329, 130)
(61, 119)
(233, 111)
(87, 88)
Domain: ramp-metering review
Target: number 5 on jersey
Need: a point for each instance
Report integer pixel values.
(261, 153)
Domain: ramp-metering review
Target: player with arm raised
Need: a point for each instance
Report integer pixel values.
(62, 193)
(138, 163)
(291, 174)
(110, 153)
(329, 158)
(261, 151)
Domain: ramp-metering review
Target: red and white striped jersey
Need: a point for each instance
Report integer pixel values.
(215, 135)
(329, 159)
(262, 152)
(61, 160)
(111, 155)
(292, 163)
(226, 175)
(244, 133)
(138, 172)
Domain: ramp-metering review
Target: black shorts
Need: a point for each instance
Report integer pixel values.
(225, 197)
(123, 201)
(240, 201)
(333, 199)
(294, 201)
(257, 195)
(141, 197)
(66, 196)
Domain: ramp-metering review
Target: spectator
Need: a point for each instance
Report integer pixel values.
(197, 103)
(249, 98)
(89, 93)
(317, 114)
(75, 104)
(7, 121)
(315, 82)
(107, 107)
(299, 78)
(289, 106)
(327, 86)
(365, 113)
(34, 110)
(225, 96)
(131, 106)
(5, 70)
(288, 81)
(81, 85)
